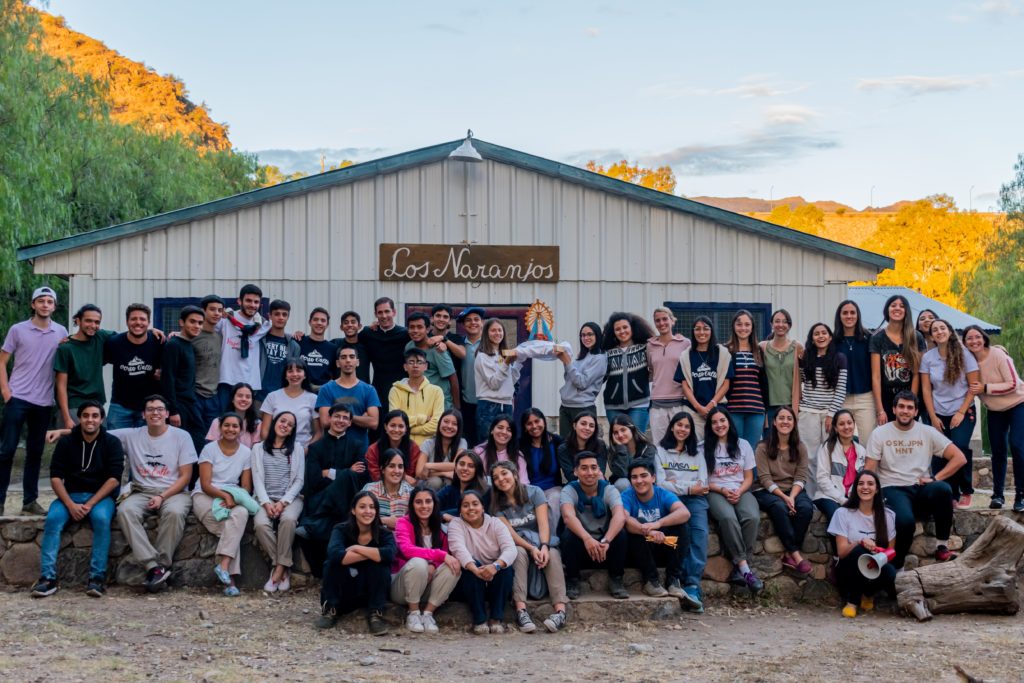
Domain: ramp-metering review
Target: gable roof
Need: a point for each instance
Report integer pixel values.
(871, 300)
(439, 152)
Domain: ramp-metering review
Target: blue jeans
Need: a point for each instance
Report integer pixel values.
(57, 518)
(639, 416)
(486, 413)
(37, 418)
(1006, 428)
(209, 409)
(486, 600)
(119, 417)
(961, 437)
(750, 426)
(697, 529)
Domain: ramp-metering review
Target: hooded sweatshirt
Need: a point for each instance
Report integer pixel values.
(423, 406)
(85, 467)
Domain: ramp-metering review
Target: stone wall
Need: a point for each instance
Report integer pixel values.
(193, 562)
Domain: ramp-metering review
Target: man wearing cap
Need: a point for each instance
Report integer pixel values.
(28, 393)
(472, 320)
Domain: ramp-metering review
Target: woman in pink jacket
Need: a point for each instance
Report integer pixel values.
(423, 570)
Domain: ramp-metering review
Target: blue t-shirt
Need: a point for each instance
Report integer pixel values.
(660, 505)
(359, 398)
(276, 349)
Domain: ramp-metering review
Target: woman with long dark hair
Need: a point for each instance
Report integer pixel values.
(296, 396)
(395, 434)
(278, 473)
(863, 526)
(496, 371)
(437, 454)
(357, 572)
(1001, 390)
(424, 572)
(924, 325)
(469, 474)
(663, 352)
(584, 376)
(746, 397)
(821, 391)
(524, 509)
(782, 475)
(680, 467)
(705, 372)
(627, 444)
(627, 388)
(896, 350)
(730, 463)
(501, 444)
(540, 448)
(485, 550)
(240, 402)
(391, 490)
(780, 363)
(852, 340)
(947, 370)
(584, 435)
(839, 460)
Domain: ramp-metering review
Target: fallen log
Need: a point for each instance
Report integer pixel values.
(982, 579)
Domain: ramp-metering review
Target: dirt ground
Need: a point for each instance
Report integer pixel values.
(192, 635)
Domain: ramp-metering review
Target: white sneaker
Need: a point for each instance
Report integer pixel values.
(413, 623)
(481, 629)
(286, 582)
(429, 625)
(270, 586)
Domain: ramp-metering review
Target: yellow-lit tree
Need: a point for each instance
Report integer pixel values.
(805, 218)
(661, 178)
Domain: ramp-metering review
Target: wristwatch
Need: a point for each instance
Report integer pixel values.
(497, 567)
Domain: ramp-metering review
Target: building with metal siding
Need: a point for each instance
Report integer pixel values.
(315, 241)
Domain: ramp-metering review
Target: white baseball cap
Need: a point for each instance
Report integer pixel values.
(44, 291)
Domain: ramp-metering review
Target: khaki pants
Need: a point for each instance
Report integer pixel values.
(278, 544)
(813, 434)
(229, 530)
(553, 573)
(660, 417)
(862, 406)
(131, 516)
(698, 424)
(415, 585)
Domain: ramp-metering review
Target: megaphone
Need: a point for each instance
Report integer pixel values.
(871, 565)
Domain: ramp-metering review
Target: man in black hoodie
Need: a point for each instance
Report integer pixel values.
(85, 473)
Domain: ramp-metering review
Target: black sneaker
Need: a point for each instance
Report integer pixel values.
(328, 618)
(95, 588)
(33, 509)
(996, 503)
(156, 577)
(44, 587)
(375, 620)
(572, 589)
(617, 589)
(1018, 505)
(736, 578)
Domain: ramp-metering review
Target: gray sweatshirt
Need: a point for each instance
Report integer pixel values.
(676, 472)
(583, 381)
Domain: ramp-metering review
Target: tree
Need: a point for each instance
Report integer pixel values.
(661, 178)
(805, 218)
(994, 289)
(932, 243)
(66, 167)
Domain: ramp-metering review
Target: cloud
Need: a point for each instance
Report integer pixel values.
(786, 132)
(308, 160)
(445, 28)
(998, 9)
(592, 31)
(923, 85)
(757, 85)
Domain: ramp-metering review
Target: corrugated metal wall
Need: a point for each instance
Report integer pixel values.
(320, 249)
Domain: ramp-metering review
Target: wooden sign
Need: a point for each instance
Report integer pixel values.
(467, 263)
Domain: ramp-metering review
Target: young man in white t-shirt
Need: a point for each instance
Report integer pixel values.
(161, 459)
(901, 453)
(241, 331)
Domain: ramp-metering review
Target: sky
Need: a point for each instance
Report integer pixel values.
(853, 102)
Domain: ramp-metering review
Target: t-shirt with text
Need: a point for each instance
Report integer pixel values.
(135, 367)
(275, 351)
(905, 456)
(319, 358)
(659, 506)
(856, 526)
(524, 517)
(154, 460)
(728, 470)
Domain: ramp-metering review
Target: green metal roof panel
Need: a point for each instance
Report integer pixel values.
(434, 153)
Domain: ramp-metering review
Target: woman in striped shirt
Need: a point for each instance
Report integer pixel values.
(820, 394)
(749, 384)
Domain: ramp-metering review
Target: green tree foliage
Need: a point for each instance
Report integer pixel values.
(805, 218)
(661, 178)
(932, 243)
(66, 167)
(994, 290)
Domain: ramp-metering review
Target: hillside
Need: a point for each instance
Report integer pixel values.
(757, 205)
(137, 94)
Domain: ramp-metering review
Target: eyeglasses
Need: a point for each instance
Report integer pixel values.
(156, 410)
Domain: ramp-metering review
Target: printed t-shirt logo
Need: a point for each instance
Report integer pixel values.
(136, 366)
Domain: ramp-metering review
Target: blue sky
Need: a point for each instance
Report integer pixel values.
(823, 100)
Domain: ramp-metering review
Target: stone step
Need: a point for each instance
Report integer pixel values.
(983, 474)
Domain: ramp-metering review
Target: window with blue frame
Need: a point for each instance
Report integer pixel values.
(167, 310)
(721, 315)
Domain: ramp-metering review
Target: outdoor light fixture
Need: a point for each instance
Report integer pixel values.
(466, 151)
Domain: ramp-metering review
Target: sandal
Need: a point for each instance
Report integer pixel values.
(232, 591)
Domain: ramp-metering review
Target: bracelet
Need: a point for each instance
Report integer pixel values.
(543, 546)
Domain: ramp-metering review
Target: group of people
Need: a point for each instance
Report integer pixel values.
(444, 493)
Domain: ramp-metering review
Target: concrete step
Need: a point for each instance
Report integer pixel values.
(983, 473)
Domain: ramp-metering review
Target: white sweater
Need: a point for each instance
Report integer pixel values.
(495, 379)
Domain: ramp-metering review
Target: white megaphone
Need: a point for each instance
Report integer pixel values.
(871, 565)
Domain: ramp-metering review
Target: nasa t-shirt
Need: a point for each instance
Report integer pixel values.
(319, 358)
(135, 367)
(155, 460)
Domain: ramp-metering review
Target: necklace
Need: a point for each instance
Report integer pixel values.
(849, 343)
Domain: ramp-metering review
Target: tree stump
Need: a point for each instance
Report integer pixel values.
(982, 579)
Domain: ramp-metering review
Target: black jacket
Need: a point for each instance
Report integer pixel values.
(85, 467)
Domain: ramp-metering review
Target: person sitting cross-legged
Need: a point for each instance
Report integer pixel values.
(593, 535)
(85, 472)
